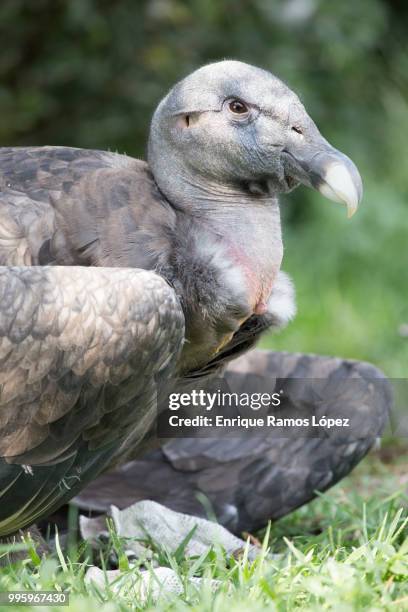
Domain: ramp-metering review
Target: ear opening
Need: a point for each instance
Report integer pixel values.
(187, 120)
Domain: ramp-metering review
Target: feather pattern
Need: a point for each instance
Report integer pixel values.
(250, 479)
(85, 354)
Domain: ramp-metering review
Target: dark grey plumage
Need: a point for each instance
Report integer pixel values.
(84, 355)
(88, 351)
(63, 206)
(251, 479)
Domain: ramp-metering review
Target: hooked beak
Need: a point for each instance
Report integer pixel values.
(332, 173)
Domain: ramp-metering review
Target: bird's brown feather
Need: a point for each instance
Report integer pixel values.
(68, 332)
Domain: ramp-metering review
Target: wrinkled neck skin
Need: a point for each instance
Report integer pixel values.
(242, 228)
(227, 256)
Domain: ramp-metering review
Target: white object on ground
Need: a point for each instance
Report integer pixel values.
(148, 519)
(142, 584)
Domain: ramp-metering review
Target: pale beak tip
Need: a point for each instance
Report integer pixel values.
(342, 183)
(351, 209)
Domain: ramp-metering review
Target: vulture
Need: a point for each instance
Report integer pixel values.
(123, 280)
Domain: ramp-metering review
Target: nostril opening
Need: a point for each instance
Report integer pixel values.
(297, 129)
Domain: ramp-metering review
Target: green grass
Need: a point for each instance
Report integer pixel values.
(347, 550)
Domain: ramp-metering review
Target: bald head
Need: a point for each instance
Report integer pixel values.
(208, 87)
(237, 126)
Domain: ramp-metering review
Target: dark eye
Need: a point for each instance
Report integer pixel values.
(238, 107)
(297, 129)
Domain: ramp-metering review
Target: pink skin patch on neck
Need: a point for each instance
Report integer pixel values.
(261, 308)
(259, 281)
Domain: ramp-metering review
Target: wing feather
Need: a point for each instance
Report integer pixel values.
(37, 212)
(82, 350)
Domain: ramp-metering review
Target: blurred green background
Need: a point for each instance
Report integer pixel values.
(89, 73)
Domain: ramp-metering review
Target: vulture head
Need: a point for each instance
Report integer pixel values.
(230, 127)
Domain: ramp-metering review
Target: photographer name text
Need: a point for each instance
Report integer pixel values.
(249, 422)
